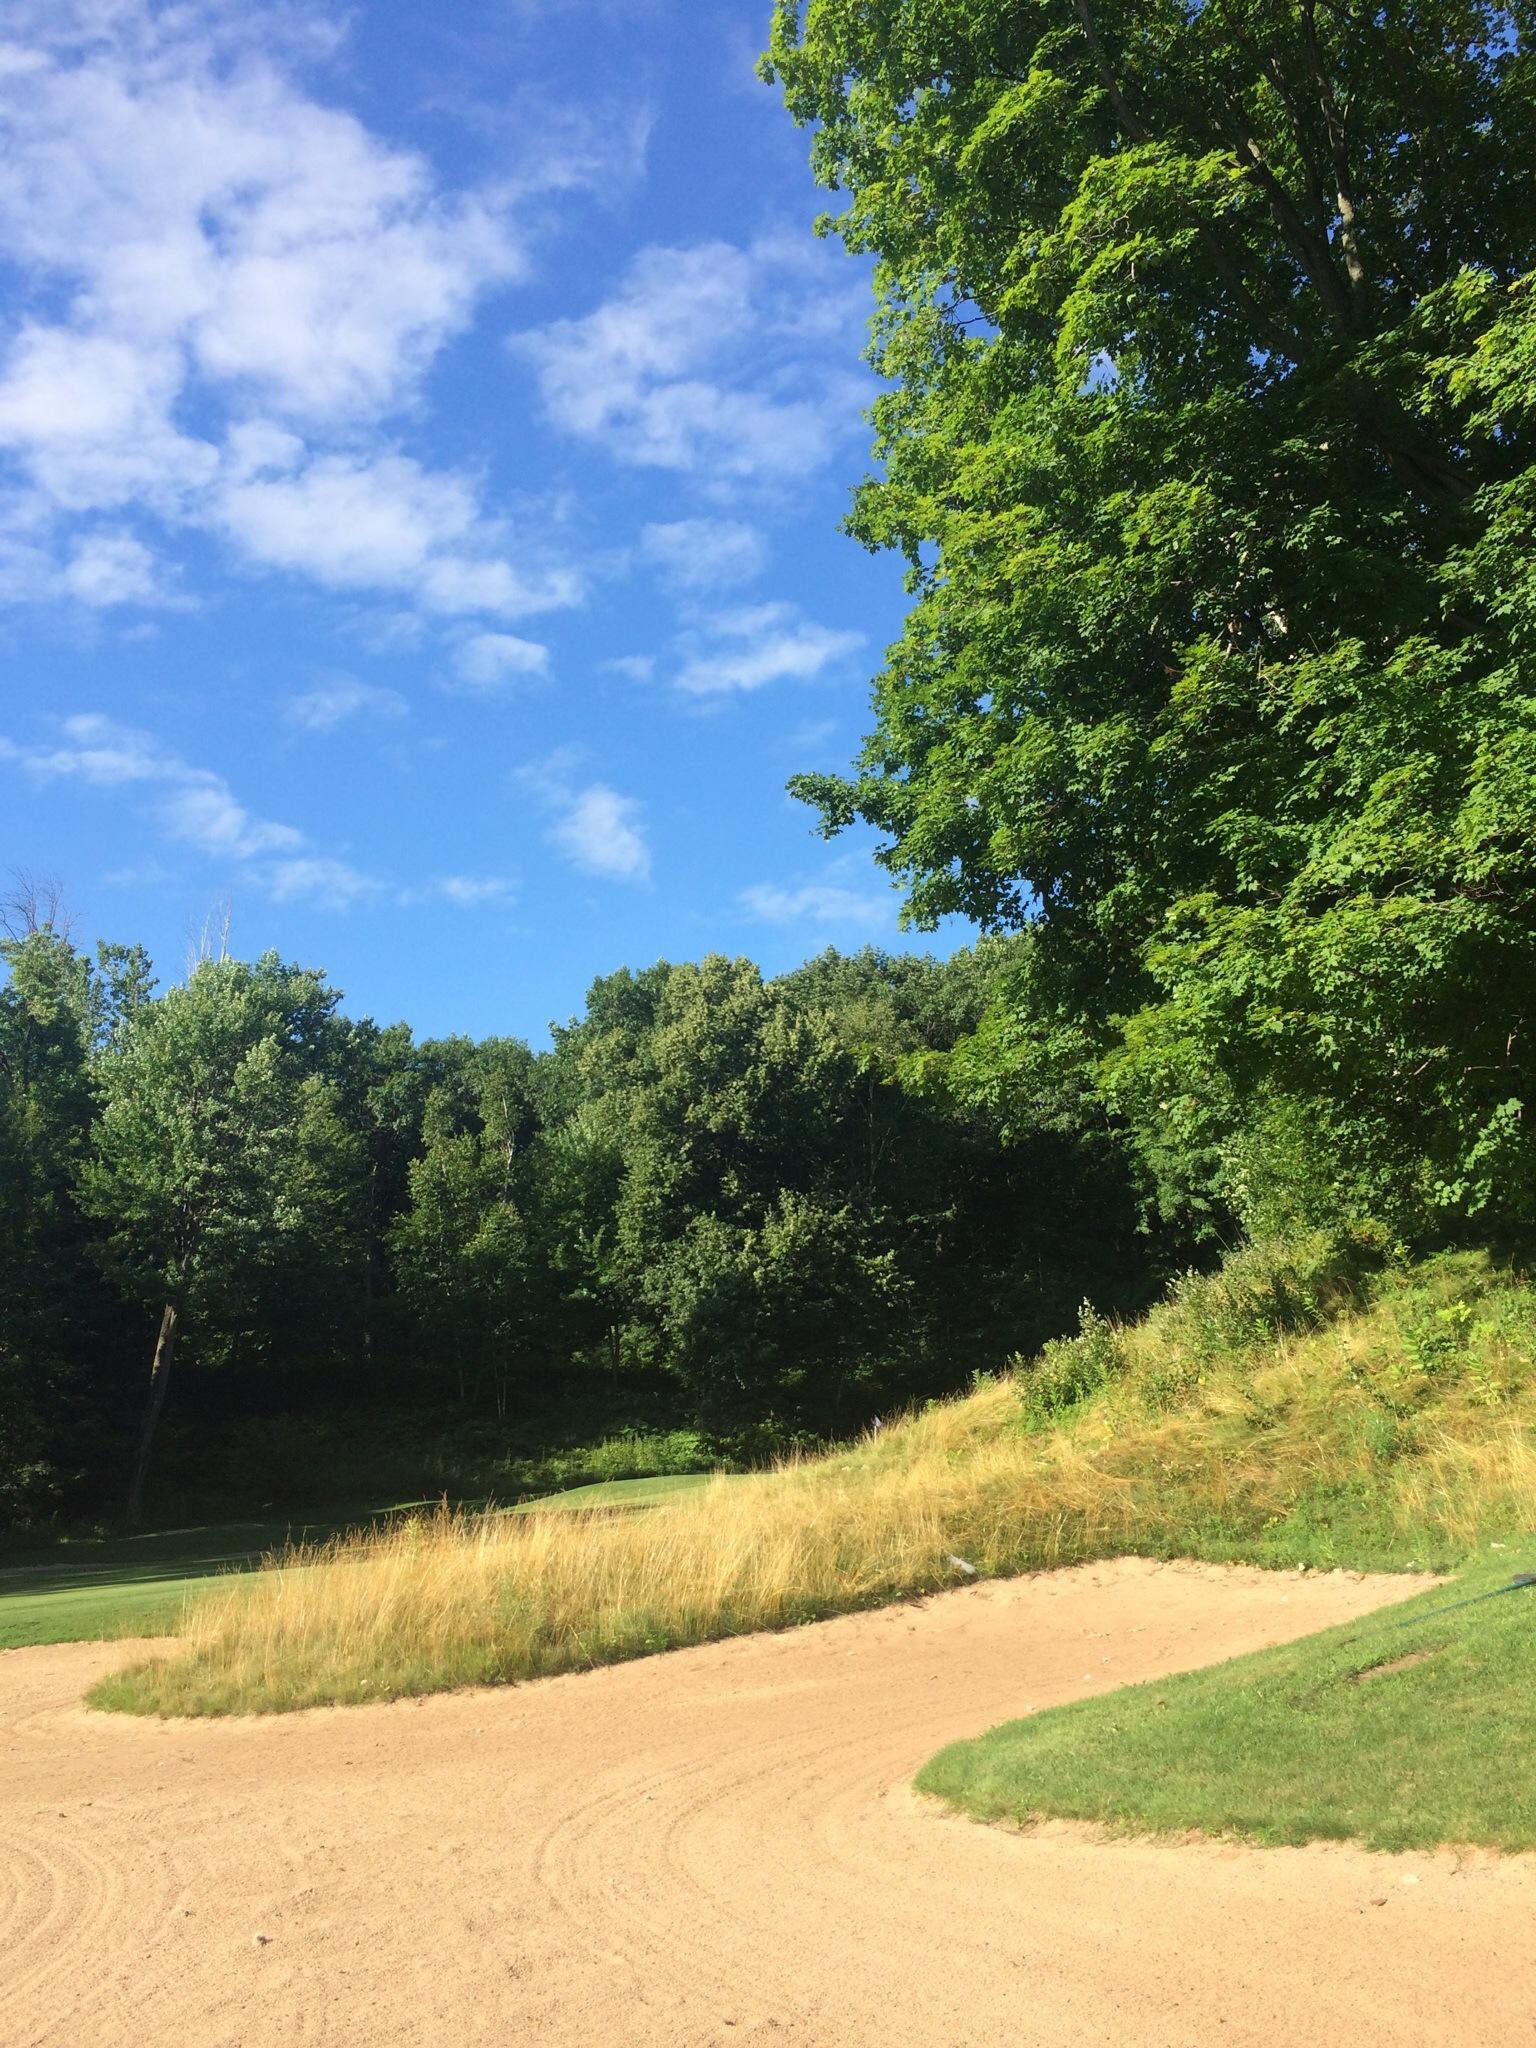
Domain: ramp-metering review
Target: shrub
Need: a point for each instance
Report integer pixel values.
(1069, 1369)
(1274, 1288)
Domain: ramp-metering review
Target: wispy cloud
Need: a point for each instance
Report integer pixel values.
(378, 523)
(342, 698)
(461, 892)
(470, 892)
(819, 903)
(703, 554)
(111, 569)
(748, 647)
(599, 831)
(487, 662)
(196, 807)
(319, 879)
(635, 668)
(713, 360)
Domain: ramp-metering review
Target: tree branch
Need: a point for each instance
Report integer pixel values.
(1349, 229)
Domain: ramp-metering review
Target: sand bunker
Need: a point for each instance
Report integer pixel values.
(717, 1846)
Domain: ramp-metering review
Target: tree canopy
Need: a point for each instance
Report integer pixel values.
(1208, 443)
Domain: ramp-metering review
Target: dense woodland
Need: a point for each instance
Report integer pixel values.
(709, 1205)
(1207, 440)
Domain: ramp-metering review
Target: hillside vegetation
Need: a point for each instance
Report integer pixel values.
(1288, 1410)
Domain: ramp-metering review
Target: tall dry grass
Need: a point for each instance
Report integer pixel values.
(1338, 1444)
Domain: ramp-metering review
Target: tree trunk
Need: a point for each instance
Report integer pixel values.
(159, 1380)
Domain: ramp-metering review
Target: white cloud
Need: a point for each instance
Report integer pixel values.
(469, 892)
(101, 568)
(485, 662)
(331, 703)
(635, 668)
(463, 892)
(381, 523)
(219, 210)
(197, 808)
(746, 647)
(599, 832)
(98, 750)
(317, 878)
(595, 828)
(735, 364)
(111, 568)
(703, 554)
(206, 813)
(817, 903)
(86, 417)
(231, 287)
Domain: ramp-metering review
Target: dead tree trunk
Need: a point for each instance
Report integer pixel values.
(159, 1380)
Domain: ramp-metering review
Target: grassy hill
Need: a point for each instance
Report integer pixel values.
(1287, 1410)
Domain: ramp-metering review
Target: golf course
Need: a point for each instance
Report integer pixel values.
(768, 1024)
(1285, 1774)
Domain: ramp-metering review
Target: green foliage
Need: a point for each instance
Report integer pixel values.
(1271, 1288)
(1208, 444)
(217, 1151)
(637, 1454)
(722, 1218)
(56, 1011)
(797, 1228)
(220, 1166)
(1069, 1369)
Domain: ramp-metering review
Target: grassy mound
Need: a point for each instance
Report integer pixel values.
(1401, 1732)
(1283, 1411)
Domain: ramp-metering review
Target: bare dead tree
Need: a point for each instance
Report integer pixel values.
(34, 903)
(208, 939)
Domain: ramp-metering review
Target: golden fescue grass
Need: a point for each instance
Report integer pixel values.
(1329, 1448)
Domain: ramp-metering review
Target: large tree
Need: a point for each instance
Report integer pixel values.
(57, 1010)
(1208, 444)
(219, 1155)
(773, 1222)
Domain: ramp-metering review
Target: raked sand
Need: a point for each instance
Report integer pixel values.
(716, 1846)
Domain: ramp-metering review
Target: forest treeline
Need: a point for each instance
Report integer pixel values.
(710, 1203)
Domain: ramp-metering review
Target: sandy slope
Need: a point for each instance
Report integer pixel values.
(715, 1846)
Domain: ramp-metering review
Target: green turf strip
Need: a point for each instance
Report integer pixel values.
(1397, 1737)
(89, 1591)
(615, 1493)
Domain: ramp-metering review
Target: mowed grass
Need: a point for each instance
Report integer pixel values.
(91, 1591)
(1412, 1728)
(95, 1589)
(614, 1493)
(88, 1614)
(1268, 1415)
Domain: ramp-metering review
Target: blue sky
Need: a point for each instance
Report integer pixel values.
(423, 436)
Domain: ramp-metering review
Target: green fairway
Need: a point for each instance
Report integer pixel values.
(86, 1591)
(87, 1613)
(615, 1493)
(1412, 1728)
(135, 1585)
